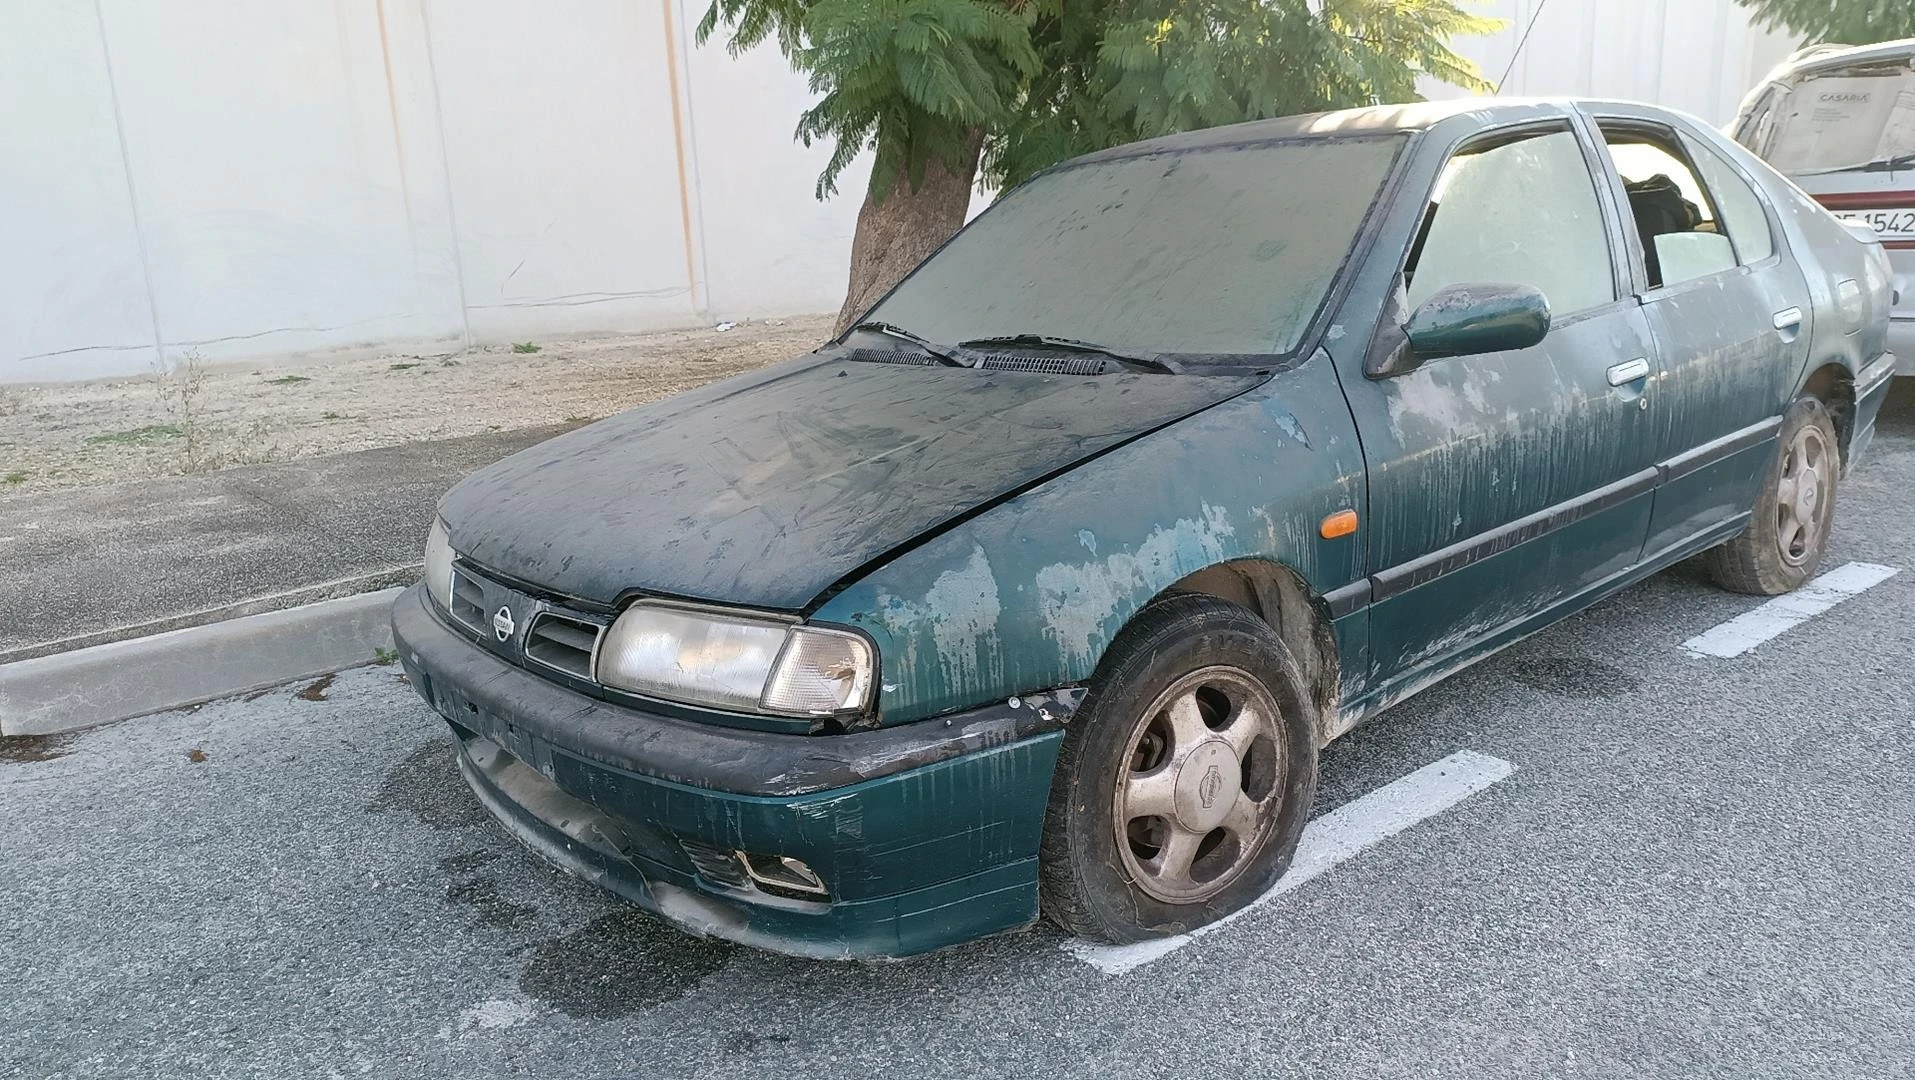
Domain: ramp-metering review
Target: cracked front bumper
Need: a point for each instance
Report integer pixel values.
(925, 834)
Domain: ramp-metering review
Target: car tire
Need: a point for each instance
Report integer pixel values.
(1235, 792)
(1789, 529)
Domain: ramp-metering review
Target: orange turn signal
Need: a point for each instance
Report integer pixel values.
(1341, 523)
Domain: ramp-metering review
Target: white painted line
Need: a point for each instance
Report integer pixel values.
(1337, 836)
(1752, 628)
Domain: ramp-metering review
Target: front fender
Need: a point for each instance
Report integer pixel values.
(1027, 595)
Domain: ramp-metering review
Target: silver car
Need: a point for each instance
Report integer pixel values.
(1840, 122)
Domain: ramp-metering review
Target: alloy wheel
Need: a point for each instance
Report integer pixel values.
(1201, 784)
(1800, 495)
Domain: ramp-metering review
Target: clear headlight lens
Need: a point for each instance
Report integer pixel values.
(735, 662)
(438, 560)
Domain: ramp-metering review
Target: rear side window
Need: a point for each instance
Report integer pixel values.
(1742, 214)
(1680, 231)
(1519, 213)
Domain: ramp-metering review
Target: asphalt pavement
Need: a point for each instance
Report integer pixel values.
(93, 565)
(1697, 867)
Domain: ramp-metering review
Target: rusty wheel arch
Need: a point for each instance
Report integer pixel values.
(1835, 386)
(1280, 597)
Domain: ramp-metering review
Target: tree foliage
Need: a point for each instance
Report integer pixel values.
(1043, 80)
(1849, 22)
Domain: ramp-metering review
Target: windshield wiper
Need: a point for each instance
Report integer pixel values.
(1899, 161)
(943, 353)
(1140, 361)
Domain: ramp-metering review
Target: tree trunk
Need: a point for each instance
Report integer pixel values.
(895, 235)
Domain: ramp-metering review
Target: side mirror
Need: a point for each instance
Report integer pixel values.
(1464, 320)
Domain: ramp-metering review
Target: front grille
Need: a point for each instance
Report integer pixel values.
(562, 643)
(1045, 365)
(468, 602)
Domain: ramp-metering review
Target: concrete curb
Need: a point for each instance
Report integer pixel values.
(307, 594)
(123, 679)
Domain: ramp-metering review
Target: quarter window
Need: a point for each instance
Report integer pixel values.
(1742, 214)
(1517, 213)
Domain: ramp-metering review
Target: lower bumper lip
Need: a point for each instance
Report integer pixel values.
(934, 845)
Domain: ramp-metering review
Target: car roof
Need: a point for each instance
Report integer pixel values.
(1369, 121)
(1821, 58)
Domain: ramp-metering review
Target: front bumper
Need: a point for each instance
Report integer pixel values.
(925, 834)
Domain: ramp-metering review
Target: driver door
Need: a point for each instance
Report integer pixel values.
(1506, 485)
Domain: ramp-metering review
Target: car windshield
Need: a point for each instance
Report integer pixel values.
(1847, 120)
(1225, 251)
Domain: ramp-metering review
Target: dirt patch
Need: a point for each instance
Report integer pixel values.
(428, 786)
(494, 910)
(28, 748)
(620, 964)
(316, 691)
(204, 417)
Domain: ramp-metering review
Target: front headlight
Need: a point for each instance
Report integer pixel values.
(735, 662)
(438, 560)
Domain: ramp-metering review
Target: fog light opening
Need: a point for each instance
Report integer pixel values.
(782, 875)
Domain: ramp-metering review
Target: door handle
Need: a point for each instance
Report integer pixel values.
(1628, 371)
(1788, 318)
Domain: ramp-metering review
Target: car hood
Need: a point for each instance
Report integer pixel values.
(765, 490)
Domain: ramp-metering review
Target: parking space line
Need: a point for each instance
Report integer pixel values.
(1336, 837)
(1752, 628)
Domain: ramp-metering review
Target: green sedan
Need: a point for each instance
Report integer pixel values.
(1036, 593)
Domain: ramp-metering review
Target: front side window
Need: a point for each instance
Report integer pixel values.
(1681, 234)
(1517, 213)
(1213, 250)
(1742, 215)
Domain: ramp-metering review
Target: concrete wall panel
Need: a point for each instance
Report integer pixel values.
(73, 300)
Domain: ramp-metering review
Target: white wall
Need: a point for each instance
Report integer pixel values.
(1699, 56)
(250, 177)
(240, 178)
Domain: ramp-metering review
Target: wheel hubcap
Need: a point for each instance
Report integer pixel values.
(1801, 495)
(1200, 785)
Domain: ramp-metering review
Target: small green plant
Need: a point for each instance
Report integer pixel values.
(448, 362)
(405, 367)
(525, 347)
(287, 380)
(578, 419)
(182, 391)
(331, 415)
(385, 657)
(139, 436)
(15, 477)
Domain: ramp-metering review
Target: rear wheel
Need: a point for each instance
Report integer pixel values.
(1184, 782)
(1789, 529)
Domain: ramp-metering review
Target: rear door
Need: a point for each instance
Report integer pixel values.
(1505, 484)
(1730, 314)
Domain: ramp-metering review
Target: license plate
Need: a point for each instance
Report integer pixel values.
(1897, 224)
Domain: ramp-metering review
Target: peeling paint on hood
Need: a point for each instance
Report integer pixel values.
(766, 490)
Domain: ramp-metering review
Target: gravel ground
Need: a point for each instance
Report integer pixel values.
(197, 419)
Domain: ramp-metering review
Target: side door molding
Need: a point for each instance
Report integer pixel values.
(1717, 449)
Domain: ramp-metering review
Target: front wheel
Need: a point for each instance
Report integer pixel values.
(1185, 780)
(1789, 529)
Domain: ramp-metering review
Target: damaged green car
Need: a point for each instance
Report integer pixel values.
(1038, 592)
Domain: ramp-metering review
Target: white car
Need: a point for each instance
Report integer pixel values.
(1840, 121)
